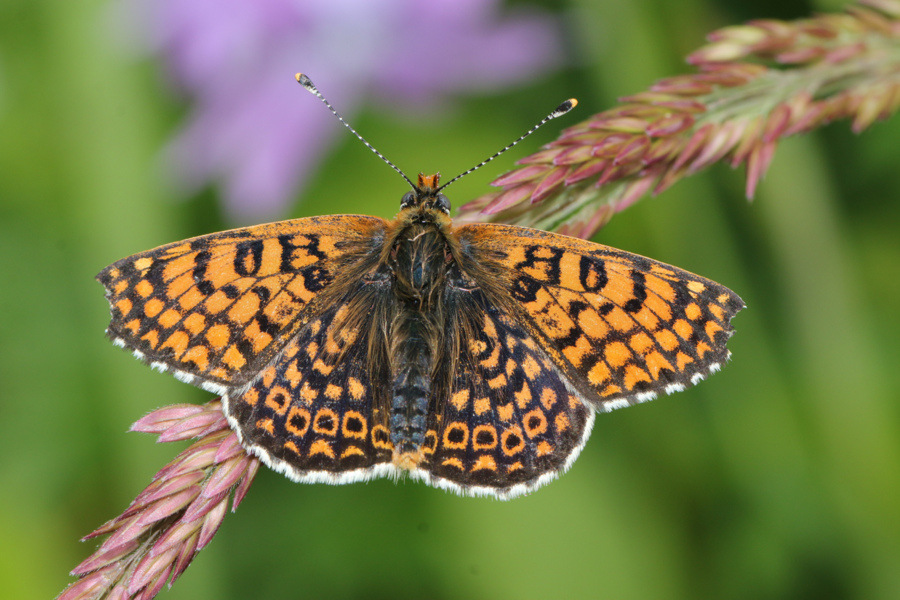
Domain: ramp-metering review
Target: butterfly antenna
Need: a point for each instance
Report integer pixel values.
(308, 84)
(557, 112)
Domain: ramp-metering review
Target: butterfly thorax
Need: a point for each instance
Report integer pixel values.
(419, 258)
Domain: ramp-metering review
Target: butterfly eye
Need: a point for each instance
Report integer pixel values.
(441, 203)
(409, 199)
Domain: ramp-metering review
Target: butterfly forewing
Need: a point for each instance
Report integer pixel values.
(621, 327)
(215, 309)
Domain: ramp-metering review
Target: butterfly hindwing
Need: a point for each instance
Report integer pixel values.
(508, 423)
(620, 326)
(318, 411)
(216, 308)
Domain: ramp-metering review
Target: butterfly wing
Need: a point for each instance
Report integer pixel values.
(319, 411)
(216, 309)
(620, 327)
(508, 421)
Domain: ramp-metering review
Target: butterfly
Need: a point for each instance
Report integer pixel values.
(472, 358)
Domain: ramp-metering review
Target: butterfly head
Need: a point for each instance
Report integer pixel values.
(426, 195)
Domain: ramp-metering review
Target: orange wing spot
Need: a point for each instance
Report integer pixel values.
(656, 362)
(133, 325)
(144, 263)
(297, 421)
(278, 399)
(484, 461)
(576, 352)
(431, 441)
(352, 451)
(666, 339)
(293, 374)
(616, 354)
(268, 376)
(641, 343)
(460, 399)
(356, 388)
(599, 373)
(482, 405)
(312, 350)
(620, 320)
(646, 317)
(178, 265)
(505, 412)
(497, 382)
(692, 311)
(530, 343)
(194, 323)
(292, 447)
(170, 318)
(333, 392)
(531, 367)
(548, 398)
(702, 349)
(114, 273)
(535, 423)
(611, 390)
(590, 322)
(453, 462)
(124, 306)
(477, 347)
(151, 337)
(484, 437)
(153, 307)
(514, 467)
(266, 425)
(315, 326)
(291, 350)
(658, 269)
(144, 288)
(683, 360)
(322, 368)
(492, 361)
(717, 311)
(307, 393)
(512, 441)
(233, 358)
(244, 308)
(217, 303)
(696, 287)
(381, 437)
(712, 328)
(259, 339)
(297, 288)
(723, 298)
(562, 422)
(199, 355)
(321, 447)
(511, 366)
(574, 402)
(190, 299)
(683, 329)
(326, 422)
(456, 436)
(179, 285)
(354, 425)
(178, 342)
(251, 397)
(544, 448)
(522, 398)
(633, 375)
(660, 307)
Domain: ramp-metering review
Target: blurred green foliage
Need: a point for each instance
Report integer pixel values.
(777, 478)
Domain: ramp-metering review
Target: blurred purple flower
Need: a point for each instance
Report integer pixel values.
(236, 59)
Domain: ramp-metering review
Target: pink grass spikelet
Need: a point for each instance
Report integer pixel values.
(756, 84)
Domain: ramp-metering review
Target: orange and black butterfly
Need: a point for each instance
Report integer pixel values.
(473, 358)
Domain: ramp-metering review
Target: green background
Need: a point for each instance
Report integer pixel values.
(777, 478)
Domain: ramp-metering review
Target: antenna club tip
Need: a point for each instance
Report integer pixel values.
(305, 81)
(564, 108)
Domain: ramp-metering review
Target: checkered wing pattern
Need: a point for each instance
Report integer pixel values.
(216, 309)
(620, 327)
